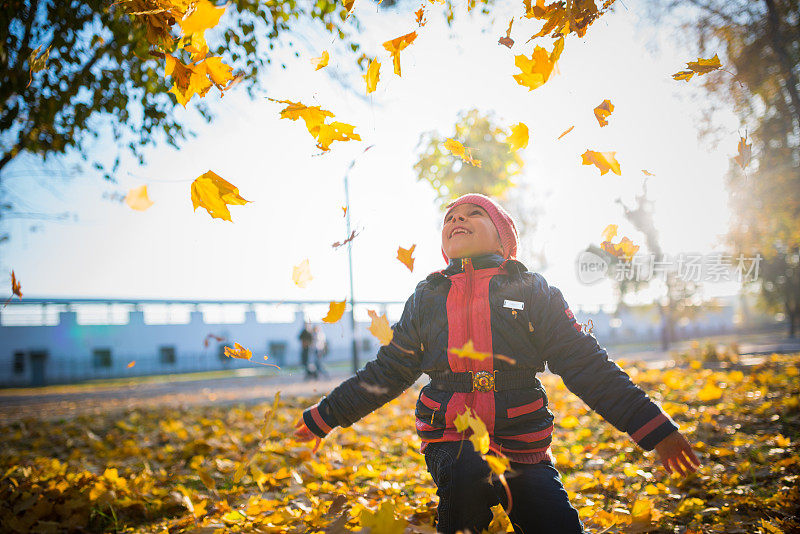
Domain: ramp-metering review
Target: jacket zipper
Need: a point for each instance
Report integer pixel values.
(466, 265)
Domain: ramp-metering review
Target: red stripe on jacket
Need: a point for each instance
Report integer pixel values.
(469, 319)
(648, 427)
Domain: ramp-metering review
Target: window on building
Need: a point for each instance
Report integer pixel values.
(166, 354)
(101, 357)
(277, 349)
(19, 362)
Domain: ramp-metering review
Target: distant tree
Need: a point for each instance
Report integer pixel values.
(759, 43)
(452, 177)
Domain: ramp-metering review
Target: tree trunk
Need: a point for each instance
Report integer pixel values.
(779, 46)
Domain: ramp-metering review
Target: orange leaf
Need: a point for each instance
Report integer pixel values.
(335, 311)
(743, 159)
(699, 67)
(419, 14)
(238, 352)
(565, 132)
(380, 328)
(301, 274)
(647, 173)
(315, 118)
(16, 288)
(131, 364)
(394, 47)
(404, 255)
(602, 112)
(215, 194)
(321, 61)
(137, 198)
(609, 232)
(605, 161)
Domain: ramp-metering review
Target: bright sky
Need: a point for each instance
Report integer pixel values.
(169, 251)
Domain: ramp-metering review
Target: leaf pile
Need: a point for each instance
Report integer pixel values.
(231, 469)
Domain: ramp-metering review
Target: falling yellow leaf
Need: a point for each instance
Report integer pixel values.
(394, 47)
(647, 173)
(238, 352)
(214, 194)
(137, 198)
(609, 232)
(380, 328)
(321, 61)
(314, 118)
(205, 15)
(457, 149)
(404, 255)
(603, 111)
(480, 435)
(301, 274)
(468, 351)
(519, 137)
(605, 161)
(131, 363)
(372, 76)
(344, 211)
(536, 70)
(565, 132)
(699, 67)
(498, 464)
(335, 311)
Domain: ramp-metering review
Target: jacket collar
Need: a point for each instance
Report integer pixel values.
(484, 261)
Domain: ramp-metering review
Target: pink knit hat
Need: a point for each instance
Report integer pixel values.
(500, 217)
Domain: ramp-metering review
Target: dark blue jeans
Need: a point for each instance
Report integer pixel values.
(467, 489)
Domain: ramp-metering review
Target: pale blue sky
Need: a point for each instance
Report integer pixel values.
(169, 251)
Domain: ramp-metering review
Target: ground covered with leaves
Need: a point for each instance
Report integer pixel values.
(216, 468)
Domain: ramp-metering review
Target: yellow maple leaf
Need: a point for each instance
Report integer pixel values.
(335, 131)
(372, 76)
(468, 351)
(205, 15)
(536, 70)
(217, 71)
(605, 161)
(627, 248)
(321, 61)
(699, 67)
(214, 194)
(131, 363)
(238, 352)
(519, 136)
(603, 111)
(314, 118)
(643, 511)
(397, 44)
(335, 311)
(404, 255)
(609, 232)
(461, 421)
(301, 274)
(380, 327)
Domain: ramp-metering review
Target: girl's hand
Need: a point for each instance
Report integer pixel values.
(303, 433)
(676, 454)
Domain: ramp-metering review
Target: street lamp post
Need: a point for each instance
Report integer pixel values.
(350, 267)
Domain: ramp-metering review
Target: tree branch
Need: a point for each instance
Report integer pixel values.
(778, 46)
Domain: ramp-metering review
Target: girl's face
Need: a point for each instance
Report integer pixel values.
(469, 231)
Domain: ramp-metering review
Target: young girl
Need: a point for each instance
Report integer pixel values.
(487, 297)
